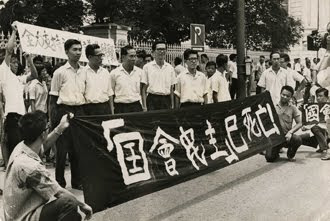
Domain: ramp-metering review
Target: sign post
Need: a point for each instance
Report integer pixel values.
(197, 36)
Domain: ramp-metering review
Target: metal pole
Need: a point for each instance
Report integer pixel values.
(241, 48)
(318, 23)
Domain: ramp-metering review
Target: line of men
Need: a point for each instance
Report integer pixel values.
(92, 90)
(280, 80)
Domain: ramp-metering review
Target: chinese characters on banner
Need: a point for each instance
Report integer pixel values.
(127, 156)
(50, 42)
(315, 113)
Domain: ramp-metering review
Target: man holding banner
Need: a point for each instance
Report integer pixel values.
(67, 95)
(286, 113)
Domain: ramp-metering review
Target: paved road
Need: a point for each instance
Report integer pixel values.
(249, 190)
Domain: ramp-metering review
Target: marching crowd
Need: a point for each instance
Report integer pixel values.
(140, 83)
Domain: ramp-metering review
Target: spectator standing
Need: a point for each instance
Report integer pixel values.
(13, 90)
(158, 81)
(67, 95)
(232, 68)
(98, 91)
(191, 88)
(125, 81)
(261, 67)
(178, 67)
(211, 69)
(204, 60)
(274, 78)
(220, 85)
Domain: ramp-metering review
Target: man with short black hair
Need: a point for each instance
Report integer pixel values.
(98, 92)
(13, 90)
(274, 78)
(158, 81)
(320, 130)
(287, 113)
(125, 82)
(28, 184)
(191, 89)
(220, 85)
(67, 95)
(232, 69)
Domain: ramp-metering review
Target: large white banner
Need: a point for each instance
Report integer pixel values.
(50, 42)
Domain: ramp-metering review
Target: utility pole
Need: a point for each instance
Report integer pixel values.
(241, 48)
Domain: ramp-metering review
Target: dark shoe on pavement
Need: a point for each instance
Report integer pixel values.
(1, 192)
(291, 152)
(319, 151)
(2, 163)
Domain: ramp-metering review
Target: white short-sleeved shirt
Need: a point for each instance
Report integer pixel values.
(69, 85)
(13, 90)
(191, 88)
(307, 73)
(126, 86)
(159, 79)
(232, 66)
(209, 89)
(293, 77)
(39, 93)
(273, 82)
(221, 86)
(98, 85)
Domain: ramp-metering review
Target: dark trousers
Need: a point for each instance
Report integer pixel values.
(321, 136)
(158, 102)
(97, 109)
(127, 107)
(12, 132)
(233, 88)
(258, 90)
(272, 153)
(64, 209)
(190, 104)
(64, 146)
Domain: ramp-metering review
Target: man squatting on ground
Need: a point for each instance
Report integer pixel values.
(28, 184)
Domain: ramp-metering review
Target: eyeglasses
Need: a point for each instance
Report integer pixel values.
(160, 49)
(193, 59)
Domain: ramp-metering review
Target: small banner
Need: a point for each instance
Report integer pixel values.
(315, 113)
(123, 157)
(50, 42)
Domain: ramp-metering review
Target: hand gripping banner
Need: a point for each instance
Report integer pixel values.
(123, 157)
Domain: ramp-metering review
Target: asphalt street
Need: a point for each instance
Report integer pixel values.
(249, 190)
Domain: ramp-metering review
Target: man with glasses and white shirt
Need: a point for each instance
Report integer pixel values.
(98, 92)
(158, 81)
(192, 87)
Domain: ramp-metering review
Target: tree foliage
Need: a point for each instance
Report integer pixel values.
(268, 25)
(267, 22)
(57, 14)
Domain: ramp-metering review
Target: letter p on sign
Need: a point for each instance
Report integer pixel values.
(197, 36)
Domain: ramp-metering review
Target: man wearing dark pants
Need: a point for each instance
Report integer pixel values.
(158, 81)
(67, 95)
(287, 113)
(12, 89)
(28, 184)
(98, 86)
(125, 82)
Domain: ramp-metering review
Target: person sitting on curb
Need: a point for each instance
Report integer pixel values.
(28, 186)
(287, 113)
